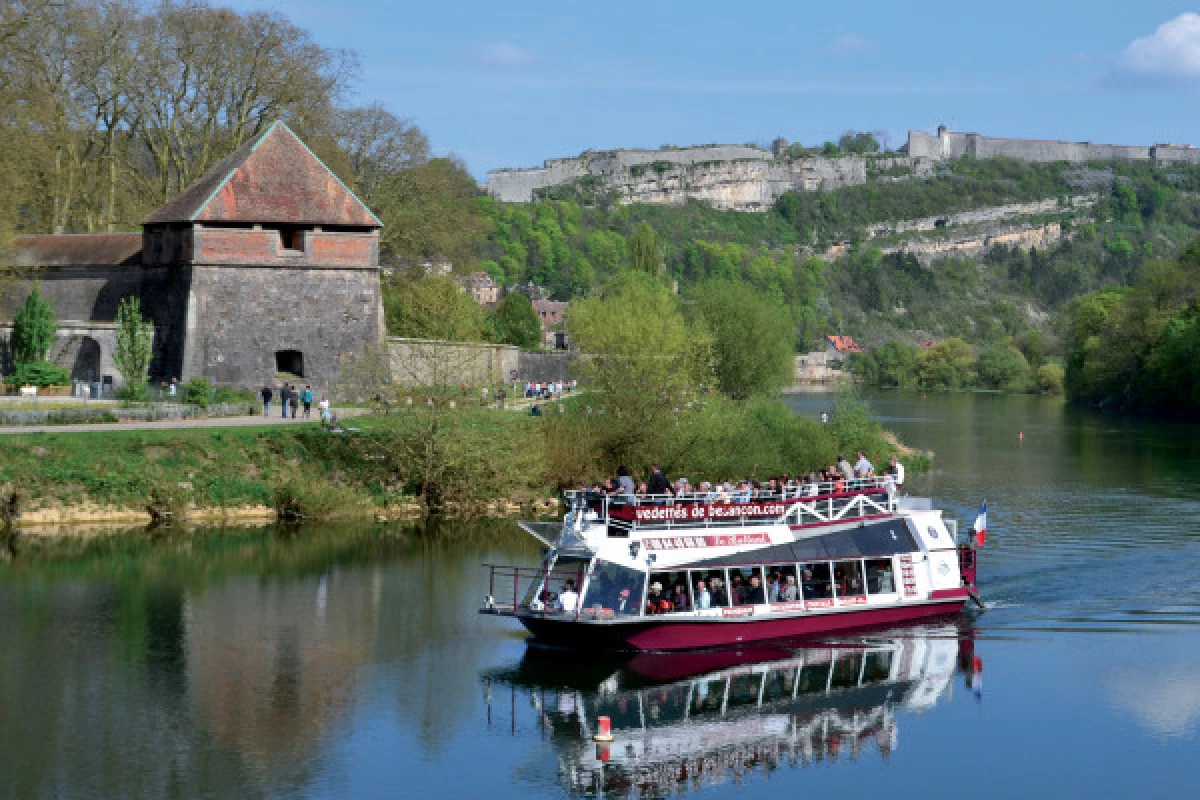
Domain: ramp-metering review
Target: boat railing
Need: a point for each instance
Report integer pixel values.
(801, 503)
(511, 588)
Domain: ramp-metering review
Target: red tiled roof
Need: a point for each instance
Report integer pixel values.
(844, 344)
(274, 178)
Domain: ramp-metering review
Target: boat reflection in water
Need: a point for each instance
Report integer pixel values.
(699, 718)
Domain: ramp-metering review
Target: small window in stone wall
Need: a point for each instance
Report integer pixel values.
(291, 240)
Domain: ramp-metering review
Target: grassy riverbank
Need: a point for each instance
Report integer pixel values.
(467, 461)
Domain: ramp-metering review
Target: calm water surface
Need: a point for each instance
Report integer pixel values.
(351, 663)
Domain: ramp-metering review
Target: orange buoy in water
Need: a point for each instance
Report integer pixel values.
(603, 730)
(1021, 435)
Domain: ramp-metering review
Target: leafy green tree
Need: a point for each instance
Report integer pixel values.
(33, 329)
(1001, 366)
(135, 342)
(647, 363)
(516, 321)
(432, 308)
(949, 364)
(645, 251)
(753, 338)
(1050, 378)
(430, 210)
(1034, 347)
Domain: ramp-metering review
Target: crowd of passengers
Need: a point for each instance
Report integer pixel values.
(781, 587)
(839, 477)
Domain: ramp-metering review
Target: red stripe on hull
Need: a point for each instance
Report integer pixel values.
(686, 635)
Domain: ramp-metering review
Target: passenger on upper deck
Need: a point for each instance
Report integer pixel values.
(843, 468)
(625, 487)
(658, 481)
(896, 470)
(863, 468)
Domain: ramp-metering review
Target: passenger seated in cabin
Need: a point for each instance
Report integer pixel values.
(774, 583)
(703, 598)
(720, 596)
(679, 598)
(789, 593)
(737, 589)
(754, 592)
(655, 599)
(569, 598)
(811, 590)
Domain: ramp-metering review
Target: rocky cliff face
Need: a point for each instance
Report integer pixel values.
(729, 177)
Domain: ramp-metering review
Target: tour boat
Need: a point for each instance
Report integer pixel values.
(691, 571)
(669, 720)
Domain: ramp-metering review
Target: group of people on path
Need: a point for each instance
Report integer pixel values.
(292, 400)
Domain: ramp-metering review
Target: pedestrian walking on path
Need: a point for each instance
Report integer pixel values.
(307, 398)
(267, 394)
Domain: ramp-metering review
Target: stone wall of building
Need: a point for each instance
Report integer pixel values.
(433, 363)
(239, 318)
(85, 349)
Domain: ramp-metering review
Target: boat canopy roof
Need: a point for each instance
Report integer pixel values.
(884, 538)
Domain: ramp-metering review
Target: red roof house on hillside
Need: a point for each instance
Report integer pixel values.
(838, 347)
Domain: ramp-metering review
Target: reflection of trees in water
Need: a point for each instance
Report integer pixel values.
(220, 662)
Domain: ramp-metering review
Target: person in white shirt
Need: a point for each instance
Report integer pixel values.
(703, 598)
(895, 470)
(568, 599)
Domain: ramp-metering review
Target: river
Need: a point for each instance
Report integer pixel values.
(351, 663)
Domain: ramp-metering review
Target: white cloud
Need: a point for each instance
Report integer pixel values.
(1169, 56)
(849, 43)
(505, 54)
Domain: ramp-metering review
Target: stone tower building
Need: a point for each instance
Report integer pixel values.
(267, 265)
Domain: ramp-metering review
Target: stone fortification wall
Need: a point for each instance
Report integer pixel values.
(239, 317)
(948, 144)
(83, 348)
(433, 363)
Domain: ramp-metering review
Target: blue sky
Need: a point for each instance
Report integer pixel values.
(509, 84)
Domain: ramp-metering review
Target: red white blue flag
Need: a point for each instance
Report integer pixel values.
(980, 527)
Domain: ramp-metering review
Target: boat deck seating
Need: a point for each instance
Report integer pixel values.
(807, 504)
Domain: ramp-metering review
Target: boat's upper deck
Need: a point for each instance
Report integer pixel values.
(800, 504)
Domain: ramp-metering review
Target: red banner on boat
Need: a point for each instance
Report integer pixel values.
(684, 513)
(722, 540)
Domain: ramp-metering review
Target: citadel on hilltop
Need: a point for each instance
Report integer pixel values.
(749, 178)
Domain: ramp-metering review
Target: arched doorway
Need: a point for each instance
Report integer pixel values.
(289, 362)
(81, 355)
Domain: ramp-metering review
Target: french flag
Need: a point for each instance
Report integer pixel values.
(980, 527)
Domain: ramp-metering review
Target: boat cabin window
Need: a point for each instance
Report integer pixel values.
(712, 594)
(623, 708)
(668, 593)
(614, 589)
(744, 689)
(815, 583)
(782, 586)
(880, 577)
(666, 704)
(878, 667)
(565, 576)
(814, 678)
(848, 579)
(708, 697)
(780, 683)
(847, 669)
(746, 586)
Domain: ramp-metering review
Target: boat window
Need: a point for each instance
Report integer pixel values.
(780, 683)
(814, 678)
(880, 578)
(846, 670)
(743, 589)
(614, 589)
(664, 704)
(782, 586)
(714, 588)
(744, 689)
(623, 708)
(708, 697)
(815, 581)
(848, 578)
(878, 667)
(567, 574)
(668, 593)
